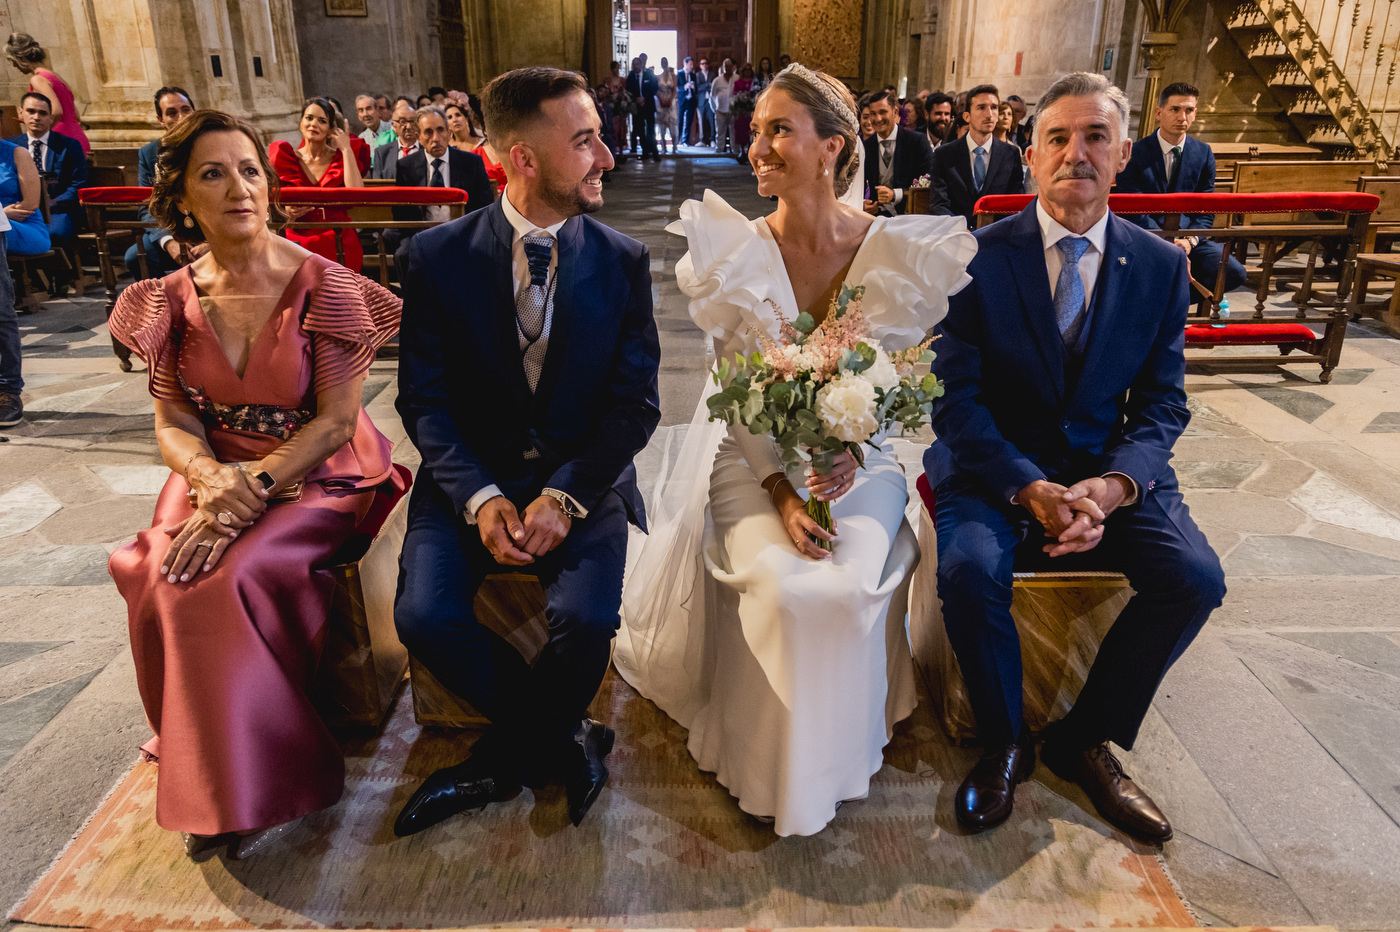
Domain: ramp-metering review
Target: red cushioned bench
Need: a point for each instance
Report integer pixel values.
(1296, 334)
(114, 209)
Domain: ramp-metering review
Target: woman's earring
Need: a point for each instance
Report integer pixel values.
(825, 172)
(189, 221)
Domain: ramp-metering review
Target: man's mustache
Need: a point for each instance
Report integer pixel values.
(1078, 170)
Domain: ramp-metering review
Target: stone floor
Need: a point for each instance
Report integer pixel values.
(1274, 744)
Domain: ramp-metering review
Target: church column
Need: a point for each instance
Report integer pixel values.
(1157, 49)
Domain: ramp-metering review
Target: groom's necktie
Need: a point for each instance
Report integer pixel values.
(532, 306)
(1069, 289)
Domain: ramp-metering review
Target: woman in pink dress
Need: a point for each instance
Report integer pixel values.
(257, 352)
(328, 157)
(29, 57)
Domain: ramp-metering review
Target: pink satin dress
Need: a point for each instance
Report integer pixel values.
(224, 662)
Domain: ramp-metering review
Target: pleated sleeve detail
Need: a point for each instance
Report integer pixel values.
(348, 317)
(142, 320)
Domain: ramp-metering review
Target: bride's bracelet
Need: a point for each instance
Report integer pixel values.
(772, 492)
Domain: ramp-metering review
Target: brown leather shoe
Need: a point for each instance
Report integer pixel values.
(985, 798)
(1118, 799)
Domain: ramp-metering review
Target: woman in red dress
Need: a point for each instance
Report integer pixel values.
(257, 352)
(328, 157)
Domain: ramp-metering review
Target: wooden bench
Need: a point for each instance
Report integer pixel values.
(1368, 267)
(1061, 619)
(1228, 155)
(1211, 329)
(1385, 219)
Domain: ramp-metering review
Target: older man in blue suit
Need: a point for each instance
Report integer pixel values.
(1168, 162)
(528, 381)
(1063, 365)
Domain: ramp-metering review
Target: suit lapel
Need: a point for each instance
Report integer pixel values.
(1028, 270)
(561, 323)
(1109, 295)
(502, 265)
(1157, 162)
(962, 164)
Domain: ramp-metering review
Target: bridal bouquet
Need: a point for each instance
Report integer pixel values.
(820, 389)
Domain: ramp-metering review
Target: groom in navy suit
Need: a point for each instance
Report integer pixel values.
(1063, 364)
(528, 381)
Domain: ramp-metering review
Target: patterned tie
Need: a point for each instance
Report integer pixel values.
(1175, 169)
(1069, 289)
(886, 161)
(36, 149)
(531, 304)
(979, 167)
(436, 180)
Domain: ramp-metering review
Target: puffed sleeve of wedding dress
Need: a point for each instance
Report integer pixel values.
(914, 264)
(732, 296)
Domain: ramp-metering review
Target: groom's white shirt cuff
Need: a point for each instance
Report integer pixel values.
(491, 491)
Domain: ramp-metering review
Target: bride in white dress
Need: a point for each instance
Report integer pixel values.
(786, 662)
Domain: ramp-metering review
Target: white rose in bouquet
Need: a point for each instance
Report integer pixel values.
(882, 373)
(846, 406)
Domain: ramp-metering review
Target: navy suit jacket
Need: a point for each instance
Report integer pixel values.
(65, 170)
(913, 158)
(1009, 416)
(384, 160)
(146, 177)
(952, 191)
(463, 395)
(1147, 174)
(465, 170)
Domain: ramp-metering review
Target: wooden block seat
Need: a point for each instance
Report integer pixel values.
(1061, 618)
(363, 661)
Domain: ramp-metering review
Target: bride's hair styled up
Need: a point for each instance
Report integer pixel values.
(833, 113)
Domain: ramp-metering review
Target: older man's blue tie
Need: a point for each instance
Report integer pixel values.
(1069, 289)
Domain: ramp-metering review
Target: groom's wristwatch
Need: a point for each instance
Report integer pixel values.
(566, 504)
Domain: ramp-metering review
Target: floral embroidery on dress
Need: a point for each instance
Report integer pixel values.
(272, 420)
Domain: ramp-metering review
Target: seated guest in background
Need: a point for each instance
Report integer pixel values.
(377, 132)
(437, 94)
(1005, 130)
(1167, 162)
(461, 127)
(11, 360)
(867, 122)
(437, 165)
(328, 157)
(29, 58)
(384, 107)
(911, 115)
(423, 100)
(20, 189)
(227, 616)
(386, 157)
(161, 248)
(978, 164)
(938, 118)
(959, 127)
(1063, 365)
(894, 157)
(59, 159)
(1023, 125)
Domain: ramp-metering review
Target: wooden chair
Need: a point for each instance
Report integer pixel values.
(27, 300)
(125, 162)
(1385, 221)
(1370, 266)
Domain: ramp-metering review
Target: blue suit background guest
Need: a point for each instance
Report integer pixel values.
(60, 160)
(976, 164)
(173, 104)
(1168, 162)
(1064, 365)
(527, 451)
(685, 97)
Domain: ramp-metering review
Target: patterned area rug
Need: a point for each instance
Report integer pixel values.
(665, 847)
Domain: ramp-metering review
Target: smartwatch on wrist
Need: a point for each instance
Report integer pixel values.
(266, 479)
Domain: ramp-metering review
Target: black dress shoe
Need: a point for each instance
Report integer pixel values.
(584, 770)
(985, 798)
(1118, 799)
(469, 785)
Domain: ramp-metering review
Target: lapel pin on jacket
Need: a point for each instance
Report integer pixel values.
(1122, 260)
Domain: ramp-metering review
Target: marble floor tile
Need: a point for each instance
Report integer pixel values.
(1326, 499)
(68, 402)
(1306, 406)
(1220, 475)
(1339, 376)
(1387, 422)
(25, 507)
(133, 480)
(13, 651)
(1244, 512)
(74, 565)
(21, 719)
(1303, 556)
(1375, 649)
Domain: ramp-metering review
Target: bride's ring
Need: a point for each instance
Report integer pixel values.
(225, 518)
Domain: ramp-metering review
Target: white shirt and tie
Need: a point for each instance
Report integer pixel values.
(972, 149)
(42, 156)
(520, 267)
(887, 164)
(440, 212)
(1171, 152)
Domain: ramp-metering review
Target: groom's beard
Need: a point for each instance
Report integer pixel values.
(569, 201)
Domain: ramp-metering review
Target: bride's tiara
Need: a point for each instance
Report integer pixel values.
(816, 80)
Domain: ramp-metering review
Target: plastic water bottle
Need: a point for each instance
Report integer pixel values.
(1224, 312)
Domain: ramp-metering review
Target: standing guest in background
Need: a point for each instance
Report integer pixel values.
(894, 157)
(377, 132)
(60, 160)
(741, 111)
(612, 93)
(240, 419)
(328, 157)
(705, 112)
(762, 76)
(29, 58)
(978, 164)
(783, 61)
(938, 118)
(667, 112)
(387, 156)
(1169, 162)
(162, 250)
(721, 95)
(685, 97)
(641, 84)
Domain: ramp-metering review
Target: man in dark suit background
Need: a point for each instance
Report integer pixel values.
(528, 382)
(977, 164)
(435, 164)
(1167, 162)
(173, 104)
(385, 159)
(894, 157)
(1063, 364)
(641, 84)
(60, 160)
(685, 97)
